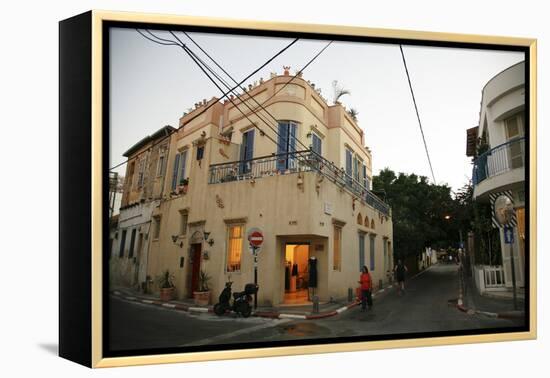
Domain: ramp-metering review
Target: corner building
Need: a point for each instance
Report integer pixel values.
(304, 181)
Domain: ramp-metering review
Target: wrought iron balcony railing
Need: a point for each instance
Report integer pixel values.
(498, 160)
(294, 162)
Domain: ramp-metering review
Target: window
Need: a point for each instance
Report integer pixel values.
(348, 165)
(514, 129)
(355, 168)
(156, 227)
(365, 178)
(372, 252)
(316, 144)
(141, 173)
(175, 172)
(183, 222)
(122, 244)
(161, 164)
(132, 243)
(234, 248)
(200, 152)
(183, 162)
(361, 251)
(130, 177)
(514, 126)
(337, 256)
(286, 144)
(247, 152)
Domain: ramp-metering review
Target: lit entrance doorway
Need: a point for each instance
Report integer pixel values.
(296, 273)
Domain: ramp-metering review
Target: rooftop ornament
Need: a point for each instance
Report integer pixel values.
(286, 71)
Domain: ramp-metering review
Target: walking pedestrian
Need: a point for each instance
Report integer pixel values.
(366, 286)
(400, 269)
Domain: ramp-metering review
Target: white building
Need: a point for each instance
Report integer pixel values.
(498, 147)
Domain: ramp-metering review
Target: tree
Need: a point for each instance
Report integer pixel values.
(418, 212)
(339, 91)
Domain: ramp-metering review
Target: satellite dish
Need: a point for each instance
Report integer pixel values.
(504, 210)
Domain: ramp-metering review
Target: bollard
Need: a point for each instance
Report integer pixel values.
(350, 294)
(315, 301)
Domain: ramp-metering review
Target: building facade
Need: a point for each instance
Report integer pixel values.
(498, 148)
(278, 159)
(142, 192)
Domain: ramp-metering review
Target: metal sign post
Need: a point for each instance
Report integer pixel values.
(255, 239)
(504, 212)
(255, 253)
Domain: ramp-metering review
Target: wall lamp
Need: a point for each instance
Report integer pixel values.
(206, 235)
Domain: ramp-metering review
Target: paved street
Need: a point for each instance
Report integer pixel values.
(424, 308)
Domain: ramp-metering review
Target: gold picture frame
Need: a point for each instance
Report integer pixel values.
(87, 32)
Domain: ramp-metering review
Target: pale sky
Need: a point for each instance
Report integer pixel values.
(152, 85)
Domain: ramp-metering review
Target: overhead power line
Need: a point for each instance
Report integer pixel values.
(168, 43)
(417, 114)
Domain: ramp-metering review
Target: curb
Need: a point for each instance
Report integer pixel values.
(497, 315)
(263, 314)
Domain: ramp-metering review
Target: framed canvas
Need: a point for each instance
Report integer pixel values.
(236, 189)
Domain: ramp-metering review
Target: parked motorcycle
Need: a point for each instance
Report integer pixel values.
(241, 300)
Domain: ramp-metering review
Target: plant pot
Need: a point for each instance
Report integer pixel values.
(202, 298)
(167, 294)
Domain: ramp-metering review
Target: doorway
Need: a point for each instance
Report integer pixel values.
(195, 267)
(296, 273)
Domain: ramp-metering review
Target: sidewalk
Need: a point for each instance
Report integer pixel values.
(304, 312)
(496, 306)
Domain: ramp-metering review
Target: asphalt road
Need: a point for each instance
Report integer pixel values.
(423, 308)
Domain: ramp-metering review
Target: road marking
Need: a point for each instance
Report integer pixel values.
(131, 298)
(218, 338)
(148, 301)
(291, 316)
(198, 309)
(341, 309)
(169, 305)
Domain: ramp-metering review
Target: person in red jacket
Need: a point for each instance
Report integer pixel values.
(366, 287)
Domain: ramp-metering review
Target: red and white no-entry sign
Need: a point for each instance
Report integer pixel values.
(255, 237)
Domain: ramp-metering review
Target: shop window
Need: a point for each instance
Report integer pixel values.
(234, 248)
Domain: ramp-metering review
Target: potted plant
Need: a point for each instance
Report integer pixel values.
(167, 288)
(185, 185)
(202, 296)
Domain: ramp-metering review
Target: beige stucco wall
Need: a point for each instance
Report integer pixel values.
(286, 211)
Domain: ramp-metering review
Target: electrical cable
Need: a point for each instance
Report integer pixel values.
(214, 102)
(417, 114)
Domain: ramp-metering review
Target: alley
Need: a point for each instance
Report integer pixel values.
(423, 308)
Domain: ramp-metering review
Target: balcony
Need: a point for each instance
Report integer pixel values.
(495, 163)
(290, 163)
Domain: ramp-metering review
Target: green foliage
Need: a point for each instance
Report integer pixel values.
(165, 280)
(418, 212)
(204, 281)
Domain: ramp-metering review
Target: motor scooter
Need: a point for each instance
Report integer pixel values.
(241, 300)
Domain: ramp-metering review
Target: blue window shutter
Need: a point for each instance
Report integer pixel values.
(365, 181)
(348, 165)
(250, 145)
(361, 251)
(371, 253)
(292, 144)
(175, 172)
(282, 145)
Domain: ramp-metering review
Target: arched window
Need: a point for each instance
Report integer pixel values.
(359, 219)
(372, 223)
(366, 221)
